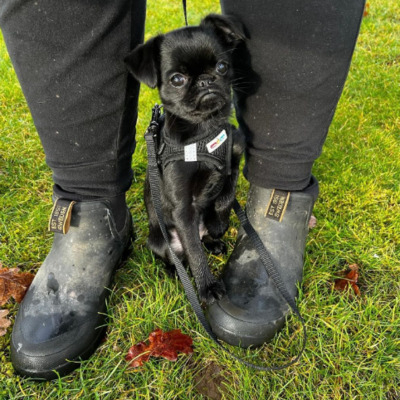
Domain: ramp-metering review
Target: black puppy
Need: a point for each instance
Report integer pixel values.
(200, 150)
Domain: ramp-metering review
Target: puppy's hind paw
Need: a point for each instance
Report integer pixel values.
(170, 270)
(212, 292)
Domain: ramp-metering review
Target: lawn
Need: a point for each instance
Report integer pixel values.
(353, 351)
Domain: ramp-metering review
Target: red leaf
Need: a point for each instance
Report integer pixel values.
(162, 344)
(350, 279)
(13, 284)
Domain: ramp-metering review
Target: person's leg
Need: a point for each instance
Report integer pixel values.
(299, 54)
(68, 57)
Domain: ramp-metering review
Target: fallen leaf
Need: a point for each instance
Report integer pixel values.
(312, 223)
(233, 232)
(13, 284)
(366, 10)
(350, 279)
(162, 344)
(210, 382)
(4, 322)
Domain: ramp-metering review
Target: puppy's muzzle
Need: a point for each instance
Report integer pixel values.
(211, 100)
(205, 81)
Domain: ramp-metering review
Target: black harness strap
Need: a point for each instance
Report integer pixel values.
(154, 179)
(220, 158)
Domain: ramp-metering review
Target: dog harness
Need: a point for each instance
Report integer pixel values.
(214, 148)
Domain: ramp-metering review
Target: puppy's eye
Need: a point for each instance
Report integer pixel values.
(178, 80)
(221, 67)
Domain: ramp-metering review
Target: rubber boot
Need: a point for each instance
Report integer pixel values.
(62, 317)
(253, 310)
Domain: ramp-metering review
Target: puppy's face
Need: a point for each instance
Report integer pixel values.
(195, 75)
(191, 67)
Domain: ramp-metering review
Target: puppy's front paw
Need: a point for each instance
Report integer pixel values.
(216, 247)
(212, 292)
(217, 229)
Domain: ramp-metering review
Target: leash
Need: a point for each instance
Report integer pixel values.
(185, 11)
(151, 136)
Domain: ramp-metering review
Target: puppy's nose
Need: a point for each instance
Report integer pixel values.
(205, 80)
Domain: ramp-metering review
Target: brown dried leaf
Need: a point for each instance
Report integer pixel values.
(211, 383)
(13, 284)
(162, 344)
(350, 279)
(366, 10)
(4, 322)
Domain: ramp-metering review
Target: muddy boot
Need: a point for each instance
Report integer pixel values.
(253, 310)
(62, 317)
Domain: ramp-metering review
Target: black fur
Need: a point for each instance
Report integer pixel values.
(197, 197)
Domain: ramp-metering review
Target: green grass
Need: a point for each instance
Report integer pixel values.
(353, 350)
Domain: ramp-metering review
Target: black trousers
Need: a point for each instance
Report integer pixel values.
(68, 56)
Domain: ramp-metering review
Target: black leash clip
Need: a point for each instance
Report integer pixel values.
(156, 115)
(153, 131)
(154, 127)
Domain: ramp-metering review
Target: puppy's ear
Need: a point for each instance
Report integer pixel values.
(143, 62)
(227, 27)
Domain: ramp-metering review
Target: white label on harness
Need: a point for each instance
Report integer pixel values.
(216, 142)
(191, 152)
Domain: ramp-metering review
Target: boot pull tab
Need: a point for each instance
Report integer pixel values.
(60, 218)
(277, 205)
